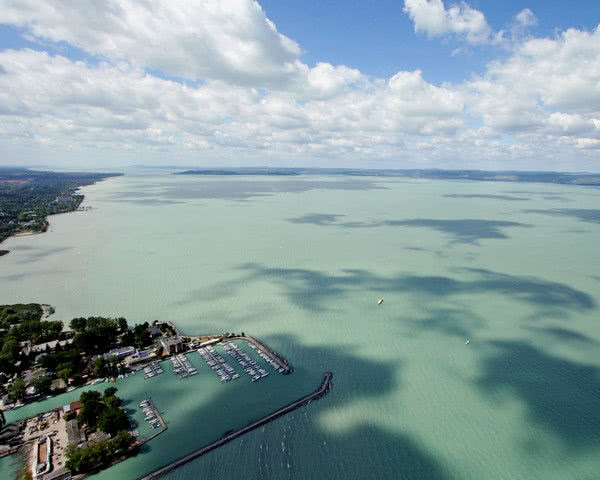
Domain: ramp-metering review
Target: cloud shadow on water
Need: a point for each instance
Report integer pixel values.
(565, 335)
(558, 393)
(317, 218)
(588, 215)
(313, 289)
(509, 198)
(298, 445)
(243, 190)
(467, 231)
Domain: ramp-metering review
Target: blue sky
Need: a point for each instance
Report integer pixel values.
(395, 84)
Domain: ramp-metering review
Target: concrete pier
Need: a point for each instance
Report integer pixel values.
(320, 392)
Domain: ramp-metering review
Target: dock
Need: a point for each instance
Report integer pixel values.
(319, 393)
(278, 358)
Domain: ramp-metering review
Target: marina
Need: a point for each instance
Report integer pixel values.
(252, 368)
(151, 415)
(153, 369)
(182, 366)
(218, 364)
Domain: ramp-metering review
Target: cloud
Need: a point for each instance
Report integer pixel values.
(546, 87)
(214, 39)
(526, 18)
(434, 19)
(537, 106)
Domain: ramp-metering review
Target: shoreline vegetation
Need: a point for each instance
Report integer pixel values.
(28, 197)
(562, 178)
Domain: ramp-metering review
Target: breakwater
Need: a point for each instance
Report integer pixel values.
(319, 393)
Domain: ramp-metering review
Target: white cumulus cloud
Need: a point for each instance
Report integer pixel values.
(434, 19)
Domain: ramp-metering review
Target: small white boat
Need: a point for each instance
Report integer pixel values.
(379, 301)
(467, 342)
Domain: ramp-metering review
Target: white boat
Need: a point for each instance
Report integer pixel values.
(379, 301)
(467, 342)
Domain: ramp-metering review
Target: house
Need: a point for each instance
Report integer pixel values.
(42, 347)
(172, 345)
(139, 357)
(123, 352)
(72, 407)
(154, 330)
(74, 435)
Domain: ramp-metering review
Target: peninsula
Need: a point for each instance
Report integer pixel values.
(28, 197)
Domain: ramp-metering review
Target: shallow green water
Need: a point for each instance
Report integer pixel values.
(300, 262)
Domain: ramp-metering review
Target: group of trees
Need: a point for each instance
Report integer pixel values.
(140, 336)
(19, 323)
(97, 334)
(106, 366)
(99, 455)
(91, 336)
(102, 412)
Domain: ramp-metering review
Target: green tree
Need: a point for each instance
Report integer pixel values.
(110, 392)
(105, 367)
(41, 384)
(122, 324)
(16, 391)
(78, 324)
(113, 420)
(91, 408)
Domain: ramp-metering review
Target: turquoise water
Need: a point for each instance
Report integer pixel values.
(301, 262)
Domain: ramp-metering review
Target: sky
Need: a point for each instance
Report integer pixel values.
(480, 84)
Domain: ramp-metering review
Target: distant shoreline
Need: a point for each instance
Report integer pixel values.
(561, 178)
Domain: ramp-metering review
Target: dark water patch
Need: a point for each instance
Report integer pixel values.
(509, 198)
(317, 218)
(313, 289)
(563, 334)
(37, 254)
(246, 189)
(556, 197)
(299, 446)
(468, 231)
(589, 215)
(14, 277)
(454, 322)
(558, 393)
(528, 192)
(151, 202)
(533, 290)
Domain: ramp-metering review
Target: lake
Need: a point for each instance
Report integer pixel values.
(300, 263)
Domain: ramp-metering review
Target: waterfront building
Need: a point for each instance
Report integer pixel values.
(172, 345)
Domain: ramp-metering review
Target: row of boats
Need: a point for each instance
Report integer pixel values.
(153, 369)
(150, 413)
(218, 364)
(267, 358)
(254, 371)
(182, 366)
